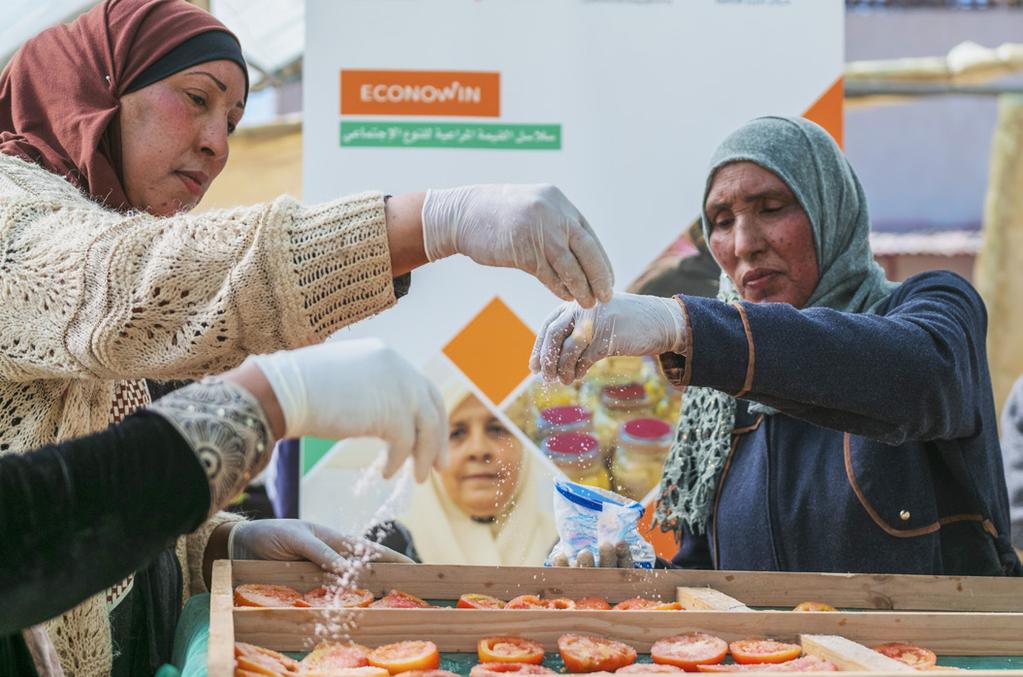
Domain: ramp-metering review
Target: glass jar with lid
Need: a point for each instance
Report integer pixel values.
(570, 419)
(638, 462)
(617, 405)
(578, 456)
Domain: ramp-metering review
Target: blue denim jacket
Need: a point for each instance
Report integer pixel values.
(885, 456)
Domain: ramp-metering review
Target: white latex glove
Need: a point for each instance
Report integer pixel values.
(343, 389)
(291, 540)
(611, 556)
(572, 338)
(530, 227)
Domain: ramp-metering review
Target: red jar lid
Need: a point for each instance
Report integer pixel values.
(571, 443)
(566, 415)
(629, 391)
(647, 428)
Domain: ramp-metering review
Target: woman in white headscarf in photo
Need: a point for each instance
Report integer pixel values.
(483, 508)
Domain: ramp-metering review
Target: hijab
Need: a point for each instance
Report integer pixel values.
(444, 534)
(60, 93)
(807, 159)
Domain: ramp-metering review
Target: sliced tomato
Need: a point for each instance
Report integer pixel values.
(689, 650)
(263, 595)
(405, 656)
(916, 656)
(500, 669)
(804, 664)
(560, 603)
(429, 673)
(814, 606)
(526, 602)
(647, 667)
(329, 656)
(644, 604)
(396, 599)
(338, 597)
(586, 653)
(364, 671)
(509, 650)
(477, 601)
(746, 651)
(262, 661)
(598, 603)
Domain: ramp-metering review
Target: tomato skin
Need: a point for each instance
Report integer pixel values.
(260, 661)
(396, 599)
(343, 599)
(263, 595)
(648, 668)
(587, 653)
(752, 651)
(405, 656)
(429, 673)
(329, 656)
(526, 602)
(477, 601)
(814, 606)
(644, 604)
(597, 603)
(689, 650)
(914, 656)
(560, 603)
(500, 669)
(509, 650)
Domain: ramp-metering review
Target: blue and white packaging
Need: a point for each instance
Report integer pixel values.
(587, 516)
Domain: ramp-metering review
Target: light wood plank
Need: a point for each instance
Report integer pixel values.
(995, 634)
(220, 648)
(849, 655)
(708, 599)
(785, 589)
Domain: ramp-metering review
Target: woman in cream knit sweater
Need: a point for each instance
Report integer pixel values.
(111, 130)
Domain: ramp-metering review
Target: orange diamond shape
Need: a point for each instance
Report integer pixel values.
(493, 350)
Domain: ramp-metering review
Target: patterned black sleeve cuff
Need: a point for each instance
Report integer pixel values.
(226, 428)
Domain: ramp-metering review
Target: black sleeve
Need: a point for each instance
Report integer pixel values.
(79, 516)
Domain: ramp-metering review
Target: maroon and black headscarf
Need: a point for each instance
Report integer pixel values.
(60, 94)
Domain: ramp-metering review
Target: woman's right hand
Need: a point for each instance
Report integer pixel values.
(573, 339)
(530, 227)
(342, 389)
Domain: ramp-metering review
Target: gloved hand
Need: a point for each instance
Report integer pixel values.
(290, 540)
(530, 227)
(572, 338)
(343, 389)
(611, 556)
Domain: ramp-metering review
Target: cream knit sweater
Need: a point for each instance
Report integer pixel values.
(91, 298)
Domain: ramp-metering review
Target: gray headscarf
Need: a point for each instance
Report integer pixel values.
(808, 160)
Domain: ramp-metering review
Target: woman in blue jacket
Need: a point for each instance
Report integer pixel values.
(833, 420)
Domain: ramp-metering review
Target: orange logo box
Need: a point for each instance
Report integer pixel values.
(461, 93)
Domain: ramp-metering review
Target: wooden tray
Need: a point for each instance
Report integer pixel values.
(960, 616)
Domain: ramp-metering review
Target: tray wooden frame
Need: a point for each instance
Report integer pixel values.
(950, 615)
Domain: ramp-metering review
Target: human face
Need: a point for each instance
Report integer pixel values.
(760, 235)
(174, 135)
(485, 460)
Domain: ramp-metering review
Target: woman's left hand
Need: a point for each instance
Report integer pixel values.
(292, 539)
(573, 339)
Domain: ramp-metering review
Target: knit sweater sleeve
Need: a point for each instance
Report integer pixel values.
(88, 292)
